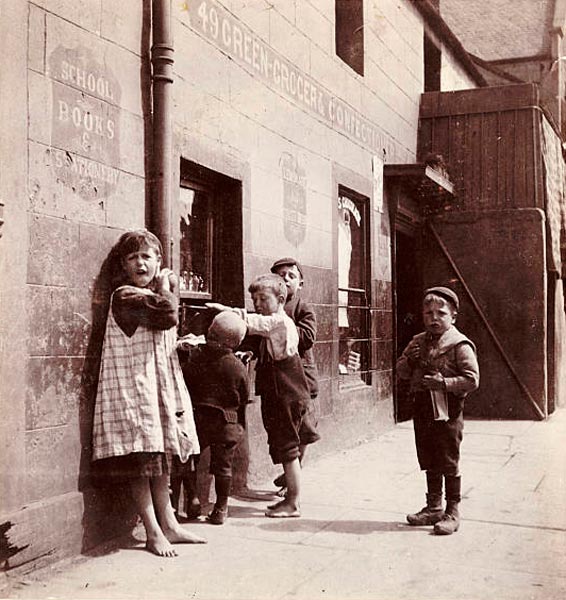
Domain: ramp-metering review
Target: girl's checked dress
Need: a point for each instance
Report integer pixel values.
(142, 402)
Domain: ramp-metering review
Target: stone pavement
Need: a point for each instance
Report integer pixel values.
(352, 540)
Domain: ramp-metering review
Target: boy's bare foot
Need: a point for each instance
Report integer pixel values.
(182, 536)
(284, 510)
(160, 546)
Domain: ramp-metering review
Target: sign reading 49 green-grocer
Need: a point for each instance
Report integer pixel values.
(234, 38)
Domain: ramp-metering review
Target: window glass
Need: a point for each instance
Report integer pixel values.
(208, 244)
(350, 33)
(353, 290)
(432, 65)
(196, 227)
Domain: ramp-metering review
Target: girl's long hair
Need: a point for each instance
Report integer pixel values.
(129, 242)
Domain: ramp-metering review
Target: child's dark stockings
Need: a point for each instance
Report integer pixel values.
(222, 486)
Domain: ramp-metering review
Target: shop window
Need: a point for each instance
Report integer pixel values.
(350, 33)
(196, 241)
(353, 288)
(209, 235)
(432, 65)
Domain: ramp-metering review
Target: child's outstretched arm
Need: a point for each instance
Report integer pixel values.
(262, 325)
(217, 306)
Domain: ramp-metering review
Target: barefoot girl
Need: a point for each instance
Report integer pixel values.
(143, 410)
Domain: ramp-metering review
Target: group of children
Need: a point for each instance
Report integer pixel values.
(154, 413)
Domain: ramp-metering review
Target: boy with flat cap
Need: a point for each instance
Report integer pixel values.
(442, 368)
(304, 318)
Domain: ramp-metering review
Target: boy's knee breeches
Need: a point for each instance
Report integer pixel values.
(438, 442)
(282, 421)
(222, 454)
(307, 430)
(222, 438)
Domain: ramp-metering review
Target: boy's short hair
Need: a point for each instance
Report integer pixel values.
(270, 281)
(445, 293)
(288, 261)
(227, 329)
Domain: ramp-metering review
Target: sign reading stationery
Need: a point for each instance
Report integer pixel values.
(239, 42)
(85, 135)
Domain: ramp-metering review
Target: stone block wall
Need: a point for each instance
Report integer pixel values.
(81, 183)
(260, 97)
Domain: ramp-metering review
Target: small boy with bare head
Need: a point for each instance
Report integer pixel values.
(280, 381)
(218, 384)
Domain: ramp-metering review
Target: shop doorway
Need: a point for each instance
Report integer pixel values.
(408, 322)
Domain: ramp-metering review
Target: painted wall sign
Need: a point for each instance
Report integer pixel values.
(377, 183)
(239, 42)
(294, 199)
(85, 134)
(348, 204)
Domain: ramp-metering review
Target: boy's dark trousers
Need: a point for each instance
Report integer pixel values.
(223, 437)
(438, 451)
(284, 394)
(220, 430)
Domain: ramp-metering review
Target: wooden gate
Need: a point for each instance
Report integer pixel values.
(496, 242)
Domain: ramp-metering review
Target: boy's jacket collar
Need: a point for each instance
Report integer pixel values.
(449, 339)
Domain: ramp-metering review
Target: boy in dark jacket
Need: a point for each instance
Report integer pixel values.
(280, 381)
(218, 385)
(304, 318)
(442, 369)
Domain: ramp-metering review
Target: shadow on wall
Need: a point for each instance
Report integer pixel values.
(108, 509)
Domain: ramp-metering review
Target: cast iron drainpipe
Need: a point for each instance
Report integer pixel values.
(162, 61)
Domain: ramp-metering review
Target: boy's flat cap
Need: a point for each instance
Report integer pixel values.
(288, 261)
(445, 293)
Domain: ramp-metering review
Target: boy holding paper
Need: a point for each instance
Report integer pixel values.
(442, 368)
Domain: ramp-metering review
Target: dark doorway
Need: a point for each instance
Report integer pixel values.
(408, 290)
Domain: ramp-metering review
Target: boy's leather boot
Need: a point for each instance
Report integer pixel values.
(450, 522)
(432, 512)
(219, 513)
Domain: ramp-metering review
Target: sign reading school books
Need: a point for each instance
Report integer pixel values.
(216, 24)
(85, 135)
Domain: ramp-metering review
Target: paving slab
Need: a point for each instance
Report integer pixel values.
(352, 541)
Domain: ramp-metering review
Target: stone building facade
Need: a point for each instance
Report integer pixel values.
(279, 145)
